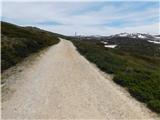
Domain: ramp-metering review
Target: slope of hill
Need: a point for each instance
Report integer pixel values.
(63, 84)
(135, 64)
(135, 46)
(139, 36)
(18, 42)
(134, 35)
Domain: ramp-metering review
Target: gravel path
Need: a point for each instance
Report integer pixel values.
(62, 84)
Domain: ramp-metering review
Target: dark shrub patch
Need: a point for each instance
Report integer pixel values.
(134, 67)
(18, 42)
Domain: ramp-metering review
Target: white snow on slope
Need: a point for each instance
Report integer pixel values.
(156, 42)
(141, 36)
(103, 42)
(110, 46)
(123, 34)
(157, 38)
(134, 35)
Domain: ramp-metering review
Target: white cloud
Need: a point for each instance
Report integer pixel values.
(53, 0)
(82, 30)
(80, 17)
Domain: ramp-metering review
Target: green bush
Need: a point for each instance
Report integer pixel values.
(139, 73)
(18, 42)
(154, 105)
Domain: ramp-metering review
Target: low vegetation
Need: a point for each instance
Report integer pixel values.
(134, 66)
(135, 63)
(19, 42)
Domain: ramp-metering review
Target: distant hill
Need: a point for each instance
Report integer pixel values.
(18, 42)
(133, 43)
(135, 46)
(134, 35)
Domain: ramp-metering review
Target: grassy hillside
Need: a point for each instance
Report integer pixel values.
(18, 42)
(136, 46)
(139, 73)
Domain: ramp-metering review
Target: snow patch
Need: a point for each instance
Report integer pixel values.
(103, 42)
(134, 35)
(156, 42)
(141, 36)
(157, 38)
(123, 34)
(110, 46)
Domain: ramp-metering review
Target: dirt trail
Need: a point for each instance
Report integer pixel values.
(63, 84)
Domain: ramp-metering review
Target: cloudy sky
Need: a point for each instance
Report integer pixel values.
(85, 18)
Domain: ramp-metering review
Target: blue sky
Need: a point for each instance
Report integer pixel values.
(85, 18)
